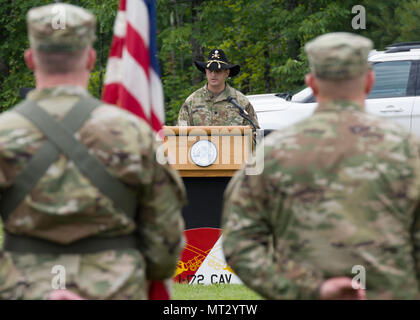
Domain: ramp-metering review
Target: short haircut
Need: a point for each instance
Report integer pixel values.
(60, 62)
(342, 89)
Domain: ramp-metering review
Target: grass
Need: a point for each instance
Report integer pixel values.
(213, 292)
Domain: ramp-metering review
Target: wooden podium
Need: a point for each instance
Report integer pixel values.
(227, 151)
(205, 183)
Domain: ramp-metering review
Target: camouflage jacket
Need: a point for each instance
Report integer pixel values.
(203, 108)
(338, 191)
(64, 206)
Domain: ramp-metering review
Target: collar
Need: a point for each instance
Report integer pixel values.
(218, 97)
(339, 105)
(66, 90)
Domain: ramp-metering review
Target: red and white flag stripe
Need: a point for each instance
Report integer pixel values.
(132, 78)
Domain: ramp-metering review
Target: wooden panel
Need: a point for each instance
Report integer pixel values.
(233, 145)
(207, 173)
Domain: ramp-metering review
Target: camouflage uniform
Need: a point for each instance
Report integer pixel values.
(204, 108)
(65, 207)
(338, 190)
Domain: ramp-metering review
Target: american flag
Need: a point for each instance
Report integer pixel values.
(132, 79)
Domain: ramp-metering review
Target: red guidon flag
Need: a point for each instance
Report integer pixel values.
(132, 79)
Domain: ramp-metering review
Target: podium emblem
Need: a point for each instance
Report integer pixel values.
(203, 153)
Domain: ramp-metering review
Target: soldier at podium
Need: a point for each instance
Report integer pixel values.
(211, 104)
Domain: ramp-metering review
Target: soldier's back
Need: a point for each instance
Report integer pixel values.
(356, 182)
(65, 206)
(344, 185)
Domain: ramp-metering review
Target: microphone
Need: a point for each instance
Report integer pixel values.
(236, 105)
(242, 113)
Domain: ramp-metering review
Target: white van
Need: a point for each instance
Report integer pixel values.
(395, 95)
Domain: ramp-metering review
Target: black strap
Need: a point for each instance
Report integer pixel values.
(60, 138)
(23, 244)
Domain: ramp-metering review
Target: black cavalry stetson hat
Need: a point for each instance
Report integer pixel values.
(217, 60)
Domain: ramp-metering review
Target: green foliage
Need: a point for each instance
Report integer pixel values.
(382, 23)
(409, 12)
(12, 47)
(13, 33)
(213, 292)
(265, 37)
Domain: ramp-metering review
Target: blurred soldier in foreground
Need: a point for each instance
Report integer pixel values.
(84, 203)
(209, 105)
(339, 194)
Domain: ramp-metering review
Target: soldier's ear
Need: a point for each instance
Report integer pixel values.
(311, 82)
(29, 59)
(91, 59)
(370, 81)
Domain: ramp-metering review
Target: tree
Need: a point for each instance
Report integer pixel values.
(265, 37)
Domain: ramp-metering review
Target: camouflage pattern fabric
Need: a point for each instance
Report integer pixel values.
(65, 207)
(203, 108)
(338, 55)
(117, 275)
(338, 190)
(60, 27)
